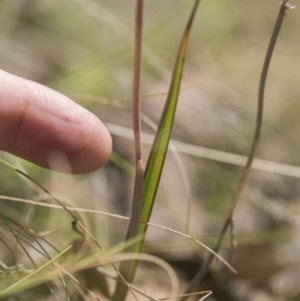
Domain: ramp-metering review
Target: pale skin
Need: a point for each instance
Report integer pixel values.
(37, 122)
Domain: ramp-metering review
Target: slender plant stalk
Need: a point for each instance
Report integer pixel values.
(139, 175)
(121, 290)
(259, 118)
(159, 150)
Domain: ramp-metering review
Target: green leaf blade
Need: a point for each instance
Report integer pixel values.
(160, 145)
(158, 152)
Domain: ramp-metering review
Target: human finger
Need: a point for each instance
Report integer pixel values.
(37, 122)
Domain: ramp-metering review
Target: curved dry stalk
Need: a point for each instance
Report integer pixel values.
(10, 251)
(211, 251)
(259, 118)
(128, 218)
(46, 255)
(108, 258)
(39, 186)
(26, 223)
(159, 262)
(12, 231)
(153, 259)
(206, 293)
(76, 209)
(72, 215)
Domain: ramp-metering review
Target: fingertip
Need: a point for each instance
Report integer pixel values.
(96, 152)
(37, 123)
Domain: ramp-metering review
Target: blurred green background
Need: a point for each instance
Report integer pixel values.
(84, 49)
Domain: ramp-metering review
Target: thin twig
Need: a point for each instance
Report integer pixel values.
(259, 118)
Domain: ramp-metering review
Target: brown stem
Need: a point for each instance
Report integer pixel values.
(126, 268)
(259, 118)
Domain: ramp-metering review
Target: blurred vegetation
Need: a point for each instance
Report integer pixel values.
(84, 49)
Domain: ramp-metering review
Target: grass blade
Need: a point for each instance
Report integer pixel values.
(159, 149)
(21, 284)
(160, 145)
(72, 215)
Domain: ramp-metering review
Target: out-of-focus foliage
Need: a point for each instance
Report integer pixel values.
(84, 49)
